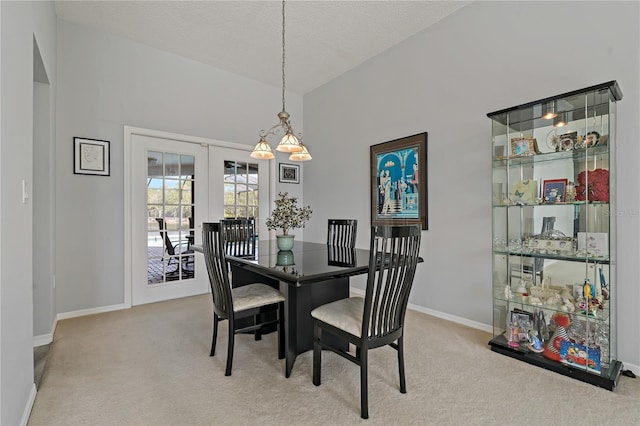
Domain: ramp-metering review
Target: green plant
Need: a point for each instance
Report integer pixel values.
(287, 215)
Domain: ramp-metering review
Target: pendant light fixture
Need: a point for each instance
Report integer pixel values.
(289, 142)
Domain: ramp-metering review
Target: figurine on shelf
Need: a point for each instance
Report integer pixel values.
(603, 285)
(514, 335)
(535, 344)
(507, 292)
(571, 192)
(591, 139)
(588, 290)
(552, 348)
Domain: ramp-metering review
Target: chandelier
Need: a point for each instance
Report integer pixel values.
(290, 142)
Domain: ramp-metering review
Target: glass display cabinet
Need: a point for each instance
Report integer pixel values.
(554, 229)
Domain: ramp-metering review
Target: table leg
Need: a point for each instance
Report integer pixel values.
(300, 301)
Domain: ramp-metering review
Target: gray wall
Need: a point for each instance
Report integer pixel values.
(21, 22)
(104, 83)
(43, 197)
(485, 57)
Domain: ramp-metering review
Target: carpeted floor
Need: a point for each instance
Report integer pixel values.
(150, 365)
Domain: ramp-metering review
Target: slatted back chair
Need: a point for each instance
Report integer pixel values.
(173, 250)
(377, 319)
(342, 232)
(232, 304)
(240, 237)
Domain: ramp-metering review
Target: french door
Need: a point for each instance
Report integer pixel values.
(175, 183)
(169, 197)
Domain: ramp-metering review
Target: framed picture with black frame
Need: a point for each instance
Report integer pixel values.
(91, 157)
(289, 173)
(399, 181)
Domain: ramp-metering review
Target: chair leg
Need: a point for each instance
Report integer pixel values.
(364, 402)
(215, 334)
(281, 330)
(317, 354)
(232, 335)
(403, 385)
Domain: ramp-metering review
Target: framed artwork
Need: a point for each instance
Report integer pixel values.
(554, 190)
(91, 157)
(289, 173)
(523, 146)
(399, 181)
(567, 141)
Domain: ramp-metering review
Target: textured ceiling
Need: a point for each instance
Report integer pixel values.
(323, 38)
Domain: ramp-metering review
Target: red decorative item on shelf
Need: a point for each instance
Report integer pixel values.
(593, 185)
(552, 347)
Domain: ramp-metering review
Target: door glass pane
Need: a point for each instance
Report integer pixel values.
(241, 190)
(170, 229)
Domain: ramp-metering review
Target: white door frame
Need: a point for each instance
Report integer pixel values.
(129, 131)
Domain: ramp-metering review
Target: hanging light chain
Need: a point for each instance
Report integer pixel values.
(283, 50)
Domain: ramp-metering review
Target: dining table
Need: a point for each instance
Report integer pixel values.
(309, 275)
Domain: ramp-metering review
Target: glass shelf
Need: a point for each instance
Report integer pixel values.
(574, 154)
(600, 260)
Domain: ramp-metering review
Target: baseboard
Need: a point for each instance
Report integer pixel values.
(91, 311)
(45, 339)
(452, 318)
(27, 409)
(634, 368)
(438, 314)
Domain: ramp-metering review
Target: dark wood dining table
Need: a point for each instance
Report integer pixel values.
(310, 275)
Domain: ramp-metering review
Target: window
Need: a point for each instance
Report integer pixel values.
(241, 193)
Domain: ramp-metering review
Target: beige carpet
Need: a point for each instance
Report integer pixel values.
(150, 365)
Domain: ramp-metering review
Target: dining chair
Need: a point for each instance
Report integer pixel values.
(172, 250)
(246, 301)
(342, 232)
(239, 237)
(377, 319)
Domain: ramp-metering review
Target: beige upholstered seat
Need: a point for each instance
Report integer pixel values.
(345, 314)
(253, 296)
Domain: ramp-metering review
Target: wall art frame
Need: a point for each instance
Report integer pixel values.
(289, 173)
(91, 157)
(524, 146)
(399, 181)
(554, 186)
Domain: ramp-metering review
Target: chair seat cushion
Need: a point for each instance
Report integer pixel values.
(253, 296)
(344, 314)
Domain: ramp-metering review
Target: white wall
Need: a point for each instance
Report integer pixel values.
(104, 83)
(485, 57)
(20, 23)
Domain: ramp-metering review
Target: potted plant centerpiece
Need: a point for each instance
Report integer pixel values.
(286, 216)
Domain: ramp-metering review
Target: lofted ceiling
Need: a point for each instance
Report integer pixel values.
(323, 38)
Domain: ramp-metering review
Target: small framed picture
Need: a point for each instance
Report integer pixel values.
(567, 141)
(91, 157)
(523, 146)
(289, 173)
(554, 190)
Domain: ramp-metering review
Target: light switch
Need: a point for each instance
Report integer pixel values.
(25, 192)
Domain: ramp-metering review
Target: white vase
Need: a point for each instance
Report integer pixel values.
(285, 242)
